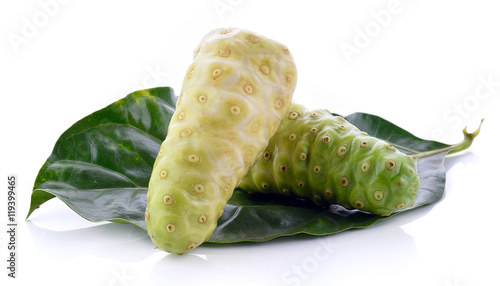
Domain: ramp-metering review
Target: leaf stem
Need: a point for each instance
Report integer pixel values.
(468, 138)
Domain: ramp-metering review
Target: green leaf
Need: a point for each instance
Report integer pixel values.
(100, 168)
(378, 127)
(110, 152)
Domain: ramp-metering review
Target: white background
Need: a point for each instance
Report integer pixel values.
(421, 64)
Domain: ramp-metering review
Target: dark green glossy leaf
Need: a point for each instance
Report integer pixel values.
(385, 130)
(100, 167)
(112, 149)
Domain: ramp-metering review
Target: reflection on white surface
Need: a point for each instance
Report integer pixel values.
(380, 250)
(305, 260)
(114, 241)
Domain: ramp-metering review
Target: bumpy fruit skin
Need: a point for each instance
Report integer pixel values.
(233, 98)
(323, 158)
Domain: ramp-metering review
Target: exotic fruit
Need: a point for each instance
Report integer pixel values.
(321, 157)
(233, 98)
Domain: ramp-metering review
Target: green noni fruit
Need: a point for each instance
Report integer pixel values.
(233, 98)
(317, 156)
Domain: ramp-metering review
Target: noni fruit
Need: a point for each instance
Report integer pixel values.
(233, 98)
(315, 155)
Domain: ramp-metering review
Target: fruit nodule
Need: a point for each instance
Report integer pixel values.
(233, 98)
(317, 156)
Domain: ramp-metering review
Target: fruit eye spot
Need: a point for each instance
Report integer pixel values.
(191, 245)
(378, 195)
(264, 69)
(163, 174)
(325, 139)
(193, 159)
(283, 168)
(390, 165)
(278, 104)
(235, 110)
(253, 39)
(168, 199)
(365, 167)
(255, 127)
(400, 205)
(186, 133)
(170, 227)
(224, 53)
(196, 52)
(286, 51)
(248, 89)
(302, 156)
(293, 115)
(217, 72)
(316, 169)
(344, 181)
(342, 151)
(292, 137)
(364, 144)
(328, 192)
(199, 188)
(180, 116)
(202, 219)
(267, 155)
(389, 147)
(249, 154)
(202, 98)
(359, 204)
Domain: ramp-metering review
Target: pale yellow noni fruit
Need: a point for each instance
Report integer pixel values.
(233, 97)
